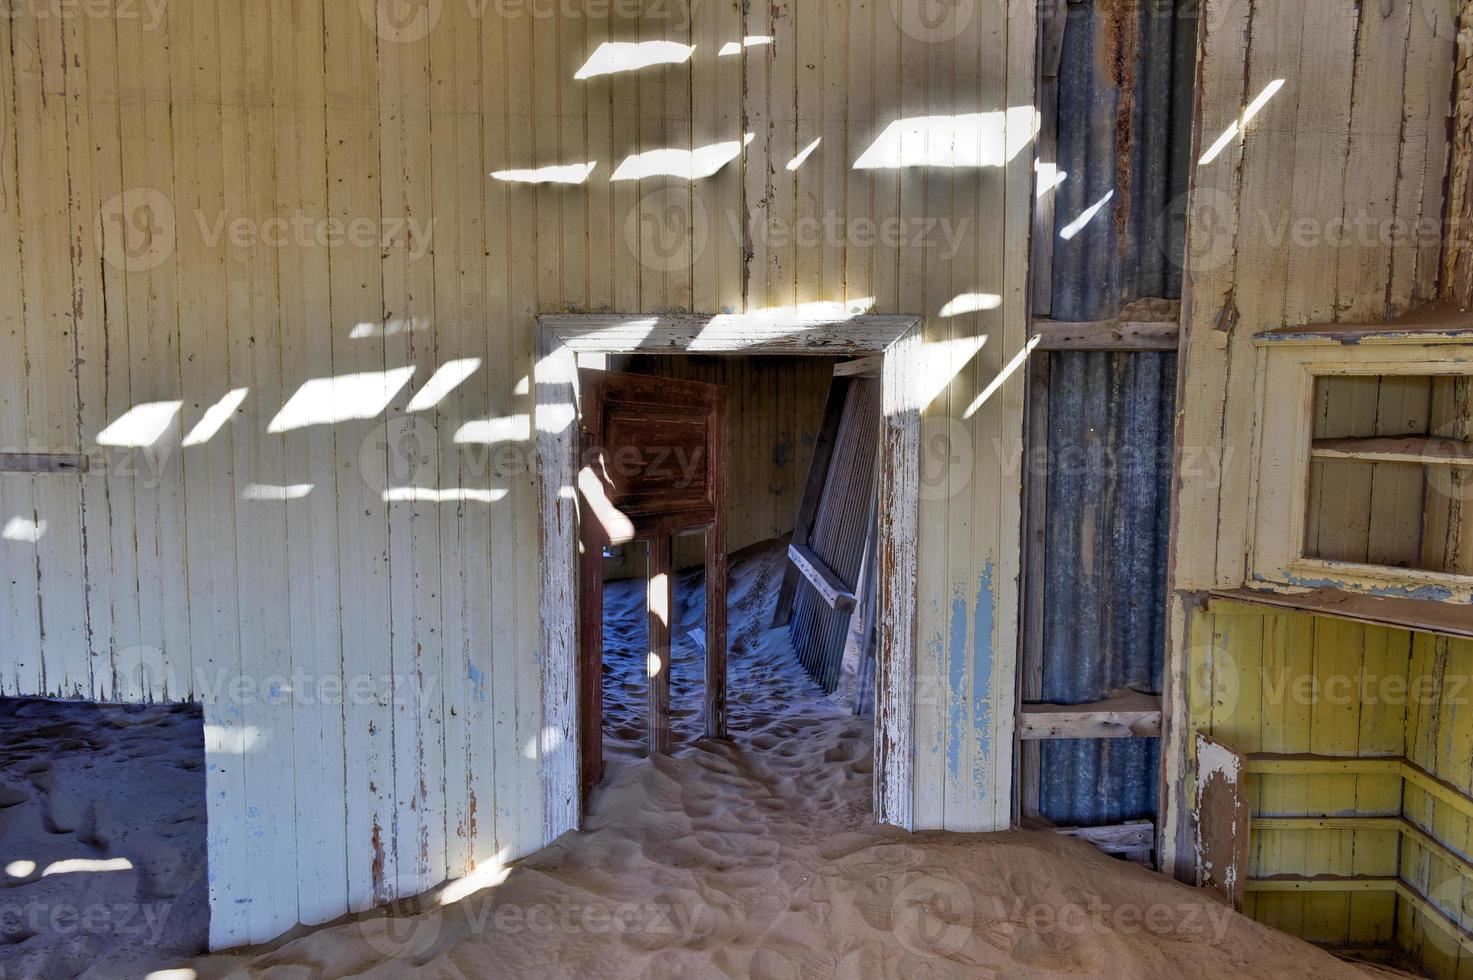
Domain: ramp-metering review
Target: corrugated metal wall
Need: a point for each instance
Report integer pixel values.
(1110, 448)
(1122, 127)
(1124, 142)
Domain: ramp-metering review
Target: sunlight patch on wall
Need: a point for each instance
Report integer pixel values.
(324, 401)
(611, 57)
(141, 425)
(1019, 359)
(1241, 123)
(567, 173)
(695, 164)
(447, 378)
(506, 428)
(275, 491)
(735, 47)
(231, 741)
(215, 417)
(804, 154)
(1078, 224)
(431, 495)
(23, 529)
(941, 361)
(977, 139)
(970, 303)
(1049, 177)
(390, 328)
(487, 874)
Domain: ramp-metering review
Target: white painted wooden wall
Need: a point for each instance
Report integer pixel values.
(277, 534)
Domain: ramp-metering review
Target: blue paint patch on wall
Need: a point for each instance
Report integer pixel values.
(983, 662)
(478, 682)
(956, 702)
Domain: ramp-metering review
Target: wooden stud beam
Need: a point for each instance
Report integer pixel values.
(1323, 883)
(1128, 335)
(43, 463)
(1397, 449)
(1128, 714)
(1423, 615)
(828, 585)
(861, 367)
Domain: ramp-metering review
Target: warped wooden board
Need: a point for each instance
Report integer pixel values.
(1221, 820)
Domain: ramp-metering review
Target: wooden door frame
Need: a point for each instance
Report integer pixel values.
(560, 338)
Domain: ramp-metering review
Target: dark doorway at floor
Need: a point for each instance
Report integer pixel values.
(102, 838)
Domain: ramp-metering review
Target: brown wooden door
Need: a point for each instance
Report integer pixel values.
(653, 463)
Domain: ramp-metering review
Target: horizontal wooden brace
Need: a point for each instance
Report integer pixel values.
(1121, 335)
(828, 585)
(1423, 450)
(1323, 883)
(1269, 763)
(1129, 714)
(43, 463)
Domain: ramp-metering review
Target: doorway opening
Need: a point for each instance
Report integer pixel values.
(892, 345)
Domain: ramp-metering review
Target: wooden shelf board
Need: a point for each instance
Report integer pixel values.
(1421, 615)
(1425, 450)
(1126, 714)
(1431, 324)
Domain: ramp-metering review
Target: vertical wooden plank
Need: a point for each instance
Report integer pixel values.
(1222, 817)
(716, 547)
(895, 656)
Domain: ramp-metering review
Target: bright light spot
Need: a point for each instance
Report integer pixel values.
(141, 425)
(616, 523)
(20, 869)
(1013, 365)
(487, 874)
(654, 665)
(445, 380)
(1049, 177)
(275, 491)
(942, 361)
(803, 154)
(323, 401)
(23, 529)
(735, 47)
(76, 865)
(703, 161)
(220, 740)
(429, 495)
(178, 973)
(978, 139)
(506, 428)
(970, 303)
(616, 56)
(1241, 123)
(392, 328)
(570, 173)
(215, 417)
(1077, 225)
(776, 321)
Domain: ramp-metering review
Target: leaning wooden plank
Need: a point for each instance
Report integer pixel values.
(1221, 820)
(828, 585)
(43, 463)
(818, 471)
(1396, 449)
(1132, 335)
(1117, 838)
(1127, 714)
(1423, 615)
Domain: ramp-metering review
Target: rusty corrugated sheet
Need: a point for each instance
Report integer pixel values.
(1110, 449)
(1124, 86)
